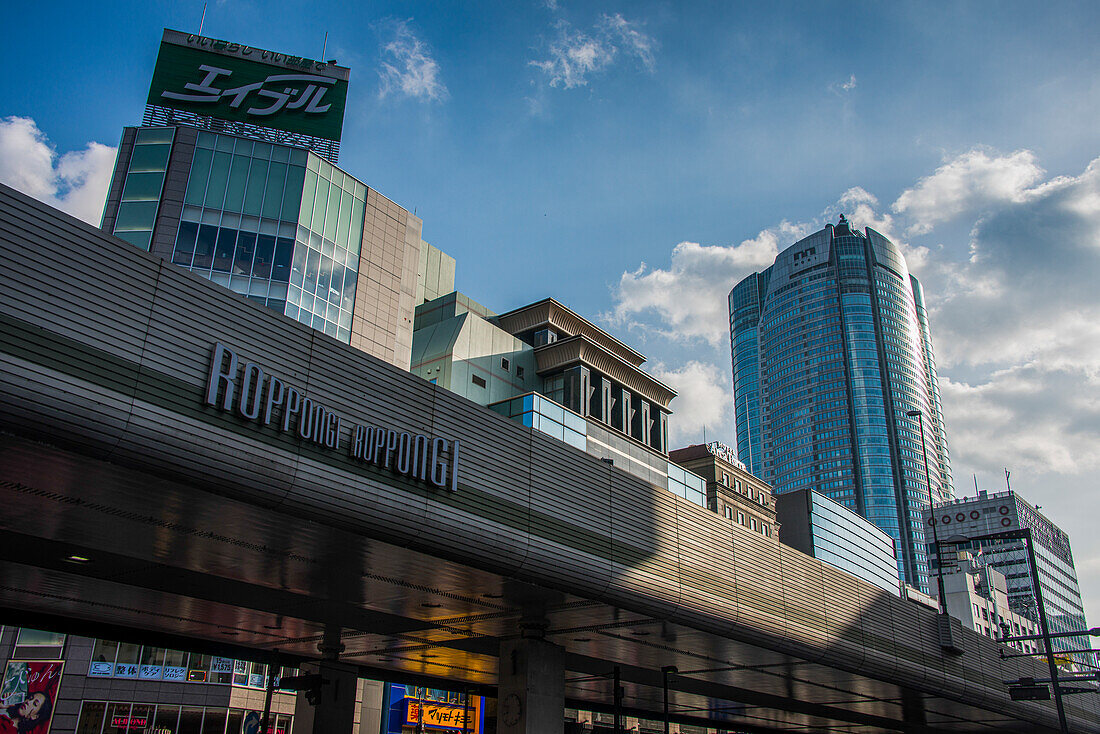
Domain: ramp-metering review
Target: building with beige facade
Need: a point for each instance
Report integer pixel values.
(977, 595)
(732, 491)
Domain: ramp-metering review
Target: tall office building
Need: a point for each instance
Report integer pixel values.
(1005, 512)
(233, 175)
(831, 349)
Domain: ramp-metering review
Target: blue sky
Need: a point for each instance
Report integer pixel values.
(634, 160)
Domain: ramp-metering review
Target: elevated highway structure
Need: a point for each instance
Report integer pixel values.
(205, 524)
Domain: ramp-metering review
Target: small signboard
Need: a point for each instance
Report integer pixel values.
(172, 672)
(432, 715)
(99, 669)
(1029, 693)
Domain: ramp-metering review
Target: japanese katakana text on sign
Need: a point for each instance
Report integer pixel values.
(291, 98)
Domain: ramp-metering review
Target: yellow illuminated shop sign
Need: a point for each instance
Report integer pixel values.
(442, 716)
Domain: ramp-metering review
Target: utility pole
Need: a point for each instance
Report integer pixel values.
(1044, 628)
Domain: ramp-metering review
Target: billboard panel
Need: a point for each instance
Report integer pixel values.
(28, 695)
(243, 84)
(975, 520)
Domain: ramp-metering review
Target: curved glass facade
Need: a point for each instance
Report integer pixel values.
(831, 348)
(744, 302)
(274, 223)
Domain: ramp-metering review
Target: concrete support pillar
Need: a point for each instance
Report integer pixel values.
(605, 400)
(627, 415)
(334, 712)
(531, 688)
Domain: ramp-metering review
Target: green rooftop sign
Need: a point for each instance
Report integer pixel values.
(234, 82)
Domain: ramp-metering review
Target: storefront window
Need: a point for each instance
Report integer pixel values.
(111, 659)
(257, 678)
(126, 664)
(175, 665)
(214, 721)
(167, 718)
(221, 671)
(91, 717)
(103, 659)
(141, 718)
(118, 719)
(37, 644)
(240, 672)
(190, 720)
(121, 717)
(198, 668)
(152, 663)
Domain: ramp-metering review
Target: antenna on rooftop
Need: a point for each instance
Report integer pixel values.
(975, 483)
(704, 433)
(203, 18)
(1007, 485)
(324, 49)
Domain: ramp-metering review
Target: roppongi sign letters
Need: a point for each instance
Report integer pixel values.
(267, 401)
(274, 90)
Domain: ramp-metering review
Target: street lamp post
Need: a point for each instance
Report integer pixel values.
(666, 671)
(931, 512)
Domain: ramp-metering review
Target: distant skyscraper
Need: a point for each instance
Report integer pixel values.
(830, 349)
(1004, 512)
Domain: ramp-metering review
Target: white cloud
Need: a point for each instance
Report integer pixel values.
(842, 87)
(627, 36)
(968, 183)
(574, 55)
(704, 401)
(409, 68)
(75, 183)
(688, 299)
(1028, 290)
(1031, 416)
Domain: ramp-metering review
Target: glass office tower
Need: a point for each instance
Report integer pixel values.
(277, 224)
(233, 176)
(831, 348)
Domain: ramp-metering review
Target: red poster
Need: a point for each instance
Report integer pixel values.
(28, 695)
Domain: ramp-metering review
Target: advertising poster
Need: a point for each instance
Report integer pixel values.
(27, 695)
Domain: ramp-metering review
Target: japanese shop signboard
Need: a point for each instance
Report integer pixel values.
(233, 82)
(432, 715)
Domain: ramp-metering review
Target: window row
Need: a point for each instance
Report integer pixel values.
(225, 250)
(244, 185)
(124, 717)
(111, 659)
(320, 277)
(137, 209)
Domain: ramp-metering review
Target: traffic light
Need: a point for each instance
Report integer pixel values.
(308, 684)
